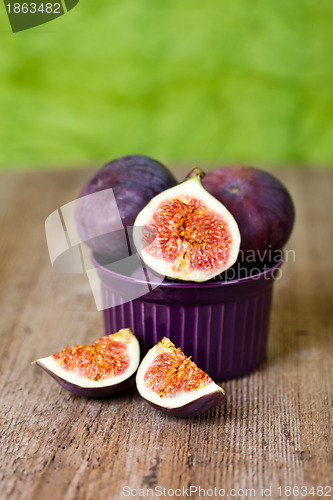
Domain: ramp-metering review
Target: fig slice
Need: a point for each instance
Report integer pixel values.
(186, 233)
(171, 382)
(97, 370)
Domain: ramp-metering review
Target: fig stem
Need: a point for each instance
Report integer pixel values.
(195, 172)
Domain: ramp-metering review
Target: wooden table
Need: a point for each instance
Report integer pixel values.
(274, 430)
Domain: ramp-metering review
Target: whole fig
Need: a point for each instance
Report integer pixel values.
(260, 204)
(135, 180)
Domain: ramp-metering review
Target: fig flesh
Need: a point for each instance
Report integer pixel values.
(135, 180)
(261, 205)
(186, 234)
(97, 370)
(172, 383)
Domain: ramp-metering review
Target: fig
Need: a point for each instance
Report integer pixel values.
(134, 181)
(97, 370)
(173, 383)
(261, 205)
(186, 234)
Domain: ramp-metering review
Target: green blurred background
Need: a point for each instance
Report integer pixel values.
(213, 82)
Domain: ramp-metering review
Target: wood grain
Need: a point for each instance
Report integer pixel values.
(275, 428)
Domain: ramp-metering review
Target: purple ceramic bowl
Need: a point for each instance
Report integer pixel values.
(223, 325)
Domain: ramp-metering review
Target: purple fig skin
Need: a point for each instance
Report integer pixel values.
(197, 407)
(260, 203)
(135, 180)
(90, 392)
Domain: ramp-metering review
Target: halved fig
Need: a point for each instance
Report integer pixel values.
(95, 370)
(186, 233)
(173, 383)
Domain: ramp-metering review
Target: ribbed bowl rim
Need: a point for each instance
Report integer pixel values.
(189, 284)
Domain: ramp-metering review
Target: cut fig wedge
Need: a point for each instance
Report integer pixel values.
(187, 234)
(96, 370)
(173, 383)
